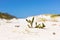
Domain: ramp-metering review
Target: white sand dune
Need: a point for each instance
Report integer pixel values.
(17, 29)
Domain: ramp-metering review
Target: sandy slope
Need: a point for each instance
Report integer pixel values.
(10, 31)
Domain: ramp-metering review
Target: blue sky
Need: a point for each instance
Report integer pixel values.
(25, 8)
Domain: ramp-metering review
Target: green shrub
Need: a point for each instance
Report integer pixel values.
(30, 22)
(39, 25)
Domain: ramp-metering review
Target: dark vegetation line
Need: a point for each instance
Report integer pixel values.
(6, 16)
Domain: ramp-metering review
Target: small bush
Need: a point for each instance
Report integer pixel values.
(39, 25)
(30, 22)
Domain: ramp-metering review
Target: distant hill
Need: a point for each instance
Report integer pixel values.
(6, 16)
